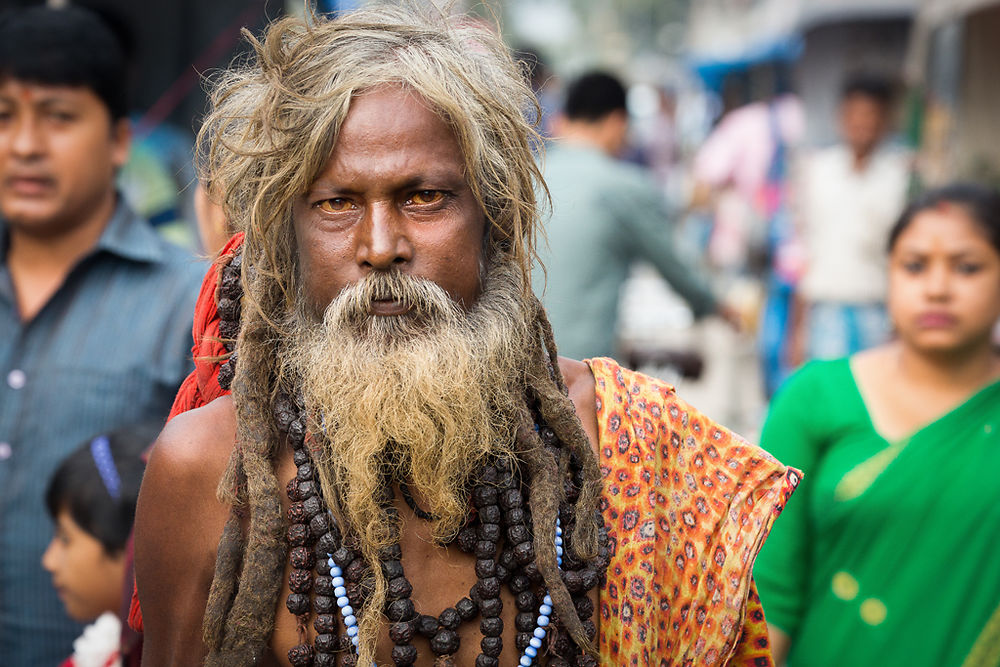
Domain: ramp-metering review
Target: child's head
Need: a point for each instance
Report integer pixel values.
(91, 499)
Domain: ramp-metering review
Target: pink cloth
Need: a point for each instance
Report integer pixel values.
(739, 151)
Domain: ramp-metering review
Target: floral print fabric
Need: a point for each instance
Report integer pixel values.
(688, 504)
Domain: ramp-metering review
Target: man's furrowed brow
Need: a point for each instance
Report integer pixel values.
(434, 179)
(329, 186)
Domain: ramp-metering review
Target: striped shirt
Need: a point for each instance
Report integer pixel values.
(108, 349)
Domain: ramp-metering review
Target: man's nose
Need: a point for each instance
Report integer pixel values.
(27, 139)
(383, 242)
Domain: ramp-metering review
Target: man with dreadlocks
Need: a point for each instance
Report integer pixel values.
(417, 478)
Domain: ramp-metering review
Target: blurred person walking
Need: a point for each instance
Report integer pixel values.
(848, 196)
(605, 215)
(742, 170)
(95, 309)
(887, 556)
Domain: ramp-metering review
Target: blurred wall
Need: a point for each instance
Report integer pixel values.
(953, 66)
(978, 141)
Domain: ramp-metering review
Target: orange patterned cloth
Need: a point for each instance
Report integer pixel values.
(688, 505)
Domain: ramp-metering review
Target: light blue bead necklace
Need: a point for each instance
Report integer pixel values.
(530, 652)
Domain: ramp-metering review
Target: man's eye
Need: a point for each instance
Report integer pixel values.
(335, 205)
(913, 267)
(424, 197)
(967, 268)
(61, 116)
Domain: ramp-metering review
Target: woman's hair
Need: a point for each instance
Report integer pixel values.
(99, 482)
(980, 202)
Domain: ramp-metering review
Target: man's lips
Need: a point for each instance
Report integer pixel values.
(389, 307)
(29, 186)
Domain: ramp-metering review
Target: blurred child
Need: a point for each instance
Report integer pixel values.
(91, 499)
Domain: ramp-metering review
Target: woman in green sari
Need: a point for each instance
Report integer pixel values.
(889, 553)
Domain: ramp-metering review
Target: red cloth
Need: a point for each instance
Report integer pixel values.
(201, 386)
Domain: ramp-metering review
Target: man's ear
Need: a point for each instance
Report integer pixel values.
(121, 141)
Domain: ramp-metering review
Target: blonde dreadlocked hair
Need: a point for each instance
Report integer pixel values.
(273, 124)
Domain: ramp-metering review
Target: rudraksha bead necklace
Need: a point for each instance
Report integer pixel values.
(447, 622)
(311, 535)
(500, 512)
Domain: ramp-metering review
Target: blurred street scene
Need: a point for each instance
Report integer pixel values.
(691, 69)
(730, 170)
(729, 102)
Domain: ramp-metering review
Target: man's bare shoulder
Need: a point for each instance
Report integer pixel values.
(583, 392)
(185, 466)
(179, 521)
(197, 444)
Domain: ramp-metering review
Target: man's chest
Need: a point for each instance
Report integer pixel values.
(442, 582)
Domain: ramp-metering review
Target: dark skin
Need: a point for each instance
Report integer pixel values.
(393, 195)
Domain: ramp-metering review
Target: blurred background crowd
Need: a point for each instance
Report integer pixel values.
(729, 171)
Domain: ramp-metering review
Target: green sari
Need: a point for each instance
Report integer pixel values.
(889, 552)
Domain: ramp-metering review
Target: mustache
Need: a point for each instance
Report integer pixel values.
(425, 300)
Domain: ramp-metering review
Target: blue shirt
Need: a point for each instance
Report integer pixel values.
(109, 348)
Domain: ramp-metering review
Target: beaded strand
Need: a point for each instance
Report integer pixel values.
(530, 652)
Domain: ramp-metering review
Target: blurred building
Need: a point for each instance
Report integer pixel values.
(951, 68)
(821, 41)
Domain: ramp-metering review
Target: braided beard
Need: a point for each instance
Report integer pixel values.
(428, 395)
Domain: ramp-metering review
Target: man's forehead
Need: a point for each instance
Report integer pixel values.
(39, 93)
(396, 115)
(391, 99)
